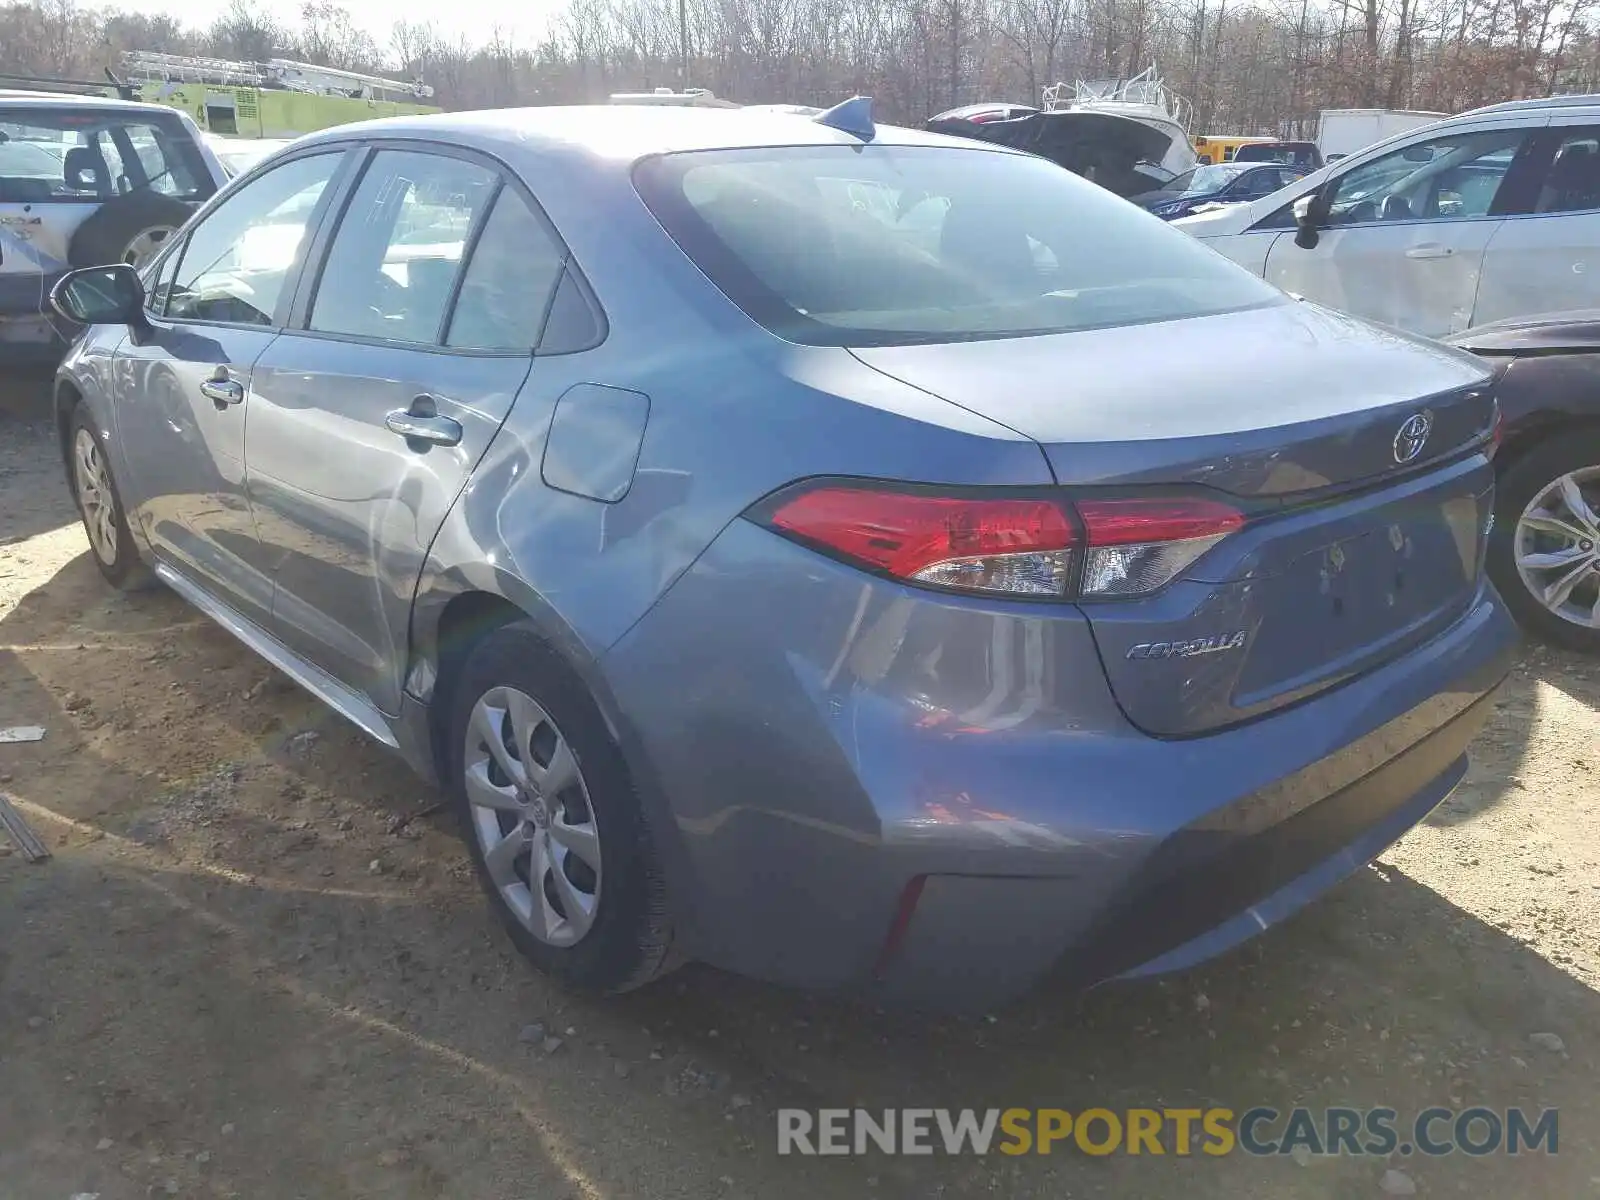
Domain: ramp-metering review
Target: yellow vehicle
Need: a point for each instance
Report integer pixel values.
(273, 99)
(1210, 148)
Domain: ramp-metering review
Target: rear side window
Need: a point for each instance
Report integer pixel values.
(507, 285)
(886, 245)
(1572, 184)
(392, 266)
(84, 155)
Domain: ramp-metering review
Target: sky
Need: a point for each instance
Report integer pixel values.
(521, 19)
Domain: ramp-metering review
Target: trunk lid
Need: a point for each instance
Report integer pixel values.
(1349, 555)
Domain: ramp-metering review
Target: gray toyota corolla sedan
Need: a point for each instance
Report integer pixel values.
(821, 551)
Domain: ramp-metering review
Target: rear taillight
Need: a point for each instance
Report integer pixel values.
(1035, 545)
(978, 544)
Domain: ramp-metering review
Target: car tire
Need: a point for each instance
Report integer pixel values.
(520, 713)
(1533, 487)
(128, 229)
(105, 521)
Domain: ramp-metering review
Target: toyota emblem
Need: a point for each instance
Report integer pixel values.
(1412, 436)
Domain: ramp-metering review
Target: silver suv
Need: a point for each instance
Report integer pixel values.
(85, 180)
(1488, 215)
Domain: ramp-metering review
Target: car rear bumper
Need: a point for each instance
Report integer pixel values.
(26, 292)
(862, 786)
(28, 337)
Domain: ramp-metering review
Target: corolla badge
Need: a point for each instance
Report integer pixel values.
(1412, 436)
(1217, 643)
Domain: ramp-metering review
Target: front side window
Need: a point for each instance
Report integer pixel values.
(886, 245)
(1206, 180)
(392, 265)
(1441, 179)
(84, 155)
(239, 257)
(1258, 184)
(158, 277)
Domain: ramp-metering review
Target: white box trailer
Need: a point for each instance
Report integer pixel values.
(1343, 131)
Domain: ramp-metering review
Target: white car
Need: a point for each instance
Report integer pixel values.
(238, 155)
(1482, 217)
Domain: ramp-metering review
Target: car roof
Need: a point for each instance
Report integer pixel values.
(18, 98)
(626, 133)
(1536, 105)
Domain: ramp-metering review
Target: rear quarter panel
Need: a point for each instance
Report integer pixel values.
(733, 414)
(1542, 391)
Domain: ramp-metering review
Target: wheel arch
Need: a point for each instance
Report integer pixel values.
(67, 398)
(454, 610)
(1536, 428)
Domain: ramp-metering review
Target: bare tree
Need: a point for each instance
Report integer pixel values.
(1266, 66)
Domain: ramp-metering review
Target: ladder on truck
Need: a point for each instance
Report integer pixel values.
(276, 74)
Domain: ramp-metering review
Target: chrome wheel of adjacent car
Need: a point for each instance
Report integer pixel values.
(95, 496)
(531, 815)
(1557, 547)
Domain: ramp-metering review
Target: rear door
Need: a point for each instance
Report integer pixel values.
(1409, 230)
(370, 414)
(184, 392)
(1545, 257)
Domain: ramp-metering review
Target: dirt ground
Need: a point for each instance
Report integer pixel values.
(251, 969)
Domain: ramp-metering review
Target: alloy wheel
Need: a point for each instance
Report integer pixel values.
(1557, 547)
(98, 501)
(531, 815)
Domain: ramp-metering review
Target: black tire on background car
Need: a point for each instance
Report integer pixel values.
(551, 819)
(1544, 551)
(127, 229)
(105, 521)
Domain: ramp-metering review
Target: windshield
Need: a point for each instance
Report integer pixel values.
(78, 156)
(1202, 181)
(886, 245)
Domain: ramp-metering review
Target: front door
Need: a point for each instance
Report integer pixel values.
(184, 392)
(1407, 233)
(369, 418)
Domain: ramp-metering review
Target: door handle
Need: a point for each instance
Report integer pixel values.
(422, 426)
(1430, 251)
(222, 389)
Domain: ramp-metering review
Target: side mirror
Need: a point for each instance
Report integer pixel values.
(109, 295)
(1310, 215)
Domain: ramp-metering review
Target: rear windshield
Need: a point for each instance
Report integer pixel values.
(887, 245)
(86, 156)
(1201, 181)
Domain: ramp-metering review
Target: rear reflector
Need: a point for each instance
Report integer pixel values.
(1039, 545)
(1137, 544)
